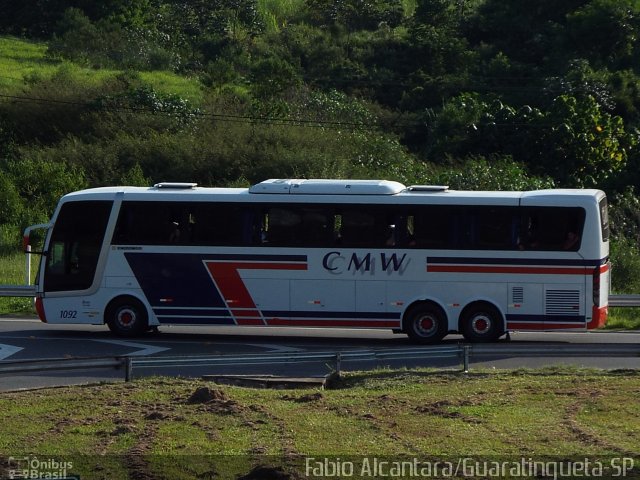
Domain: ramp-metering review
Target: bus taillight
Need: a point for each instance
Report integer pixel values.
(40, 309)
(599, 311)
(596, 287)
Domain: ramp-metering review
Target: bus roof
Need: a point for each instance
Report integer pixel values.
(331, 191)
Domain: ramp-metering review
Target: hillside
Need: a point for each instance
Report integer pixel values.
(227, 94)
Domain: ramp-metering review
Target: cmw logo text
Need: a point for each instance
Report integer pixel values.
(338, 262)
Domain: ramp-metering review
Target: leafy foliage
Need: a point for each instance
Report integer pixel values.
(474, 93)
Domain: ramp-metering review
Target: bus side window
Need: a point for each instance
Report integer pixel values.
(282, 227)
(316, 228)
(362, 228)
(552, 228)
(432, 227)
(495, 227)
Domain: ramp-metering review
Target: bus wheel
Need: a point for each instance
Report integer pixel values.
(481, 322)
(126, 317)
(425, 323)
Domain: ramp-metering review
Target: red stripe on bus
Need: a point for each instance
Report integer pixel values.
(235, 293)
(332, 323)
(521, 270)
(544, 326)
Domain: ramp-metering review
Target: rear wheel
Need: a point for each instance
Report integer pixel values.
(481, 322)
(425, 323)
(126, 317)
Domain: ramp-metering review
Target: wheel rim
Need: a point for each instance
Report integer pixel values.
(481, 324)
(426, 325)
(126, 317)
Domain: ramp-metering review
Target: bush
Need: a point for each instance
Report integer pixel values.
(625, 265)
(108, 44)
(624, 214)
(498, 173)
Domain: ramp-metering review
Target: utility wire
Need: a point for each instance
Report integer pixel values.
(253, 119)
(196, 113)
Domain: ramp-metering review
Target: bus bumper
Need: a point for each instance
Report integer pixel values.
(598, 318)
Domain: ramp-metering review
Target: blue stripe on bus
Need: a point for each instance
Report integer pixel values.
(180, 279)
(223, 312)
(254, 257)
(196, 320)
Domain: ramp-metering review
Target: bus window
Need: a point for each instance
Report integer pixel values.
(317, 228)
(181, 223)
(75, 245)
(496, 228)
(219, 224)
(297, 225)
(367, 227)
(604, 219)
(148, 223)
(281, 226)
(432, 227)
(552, 228)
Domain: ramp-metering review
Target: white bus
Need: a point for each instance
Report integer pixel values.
(423, 260)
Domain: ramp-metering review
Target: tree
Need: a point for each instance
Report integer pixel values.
(604, 31)
(586, 146)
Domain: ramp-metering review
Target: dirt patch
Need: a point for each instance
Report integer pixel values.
(156, 415)
(214, 401)
(442, 409)
(135, 459)
(587, 437)
(206, 395)
(311, 397)
(268, 473)
(4, 467)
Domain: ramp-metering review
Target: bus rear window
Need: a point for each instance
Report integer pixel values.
(604, 219)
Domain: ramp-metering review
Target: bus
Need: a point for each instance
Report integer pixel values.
(421, 260)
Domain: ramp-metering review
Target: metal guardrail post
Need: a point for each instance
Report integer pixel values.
(338, 363)
(465, 358)
(128, 372)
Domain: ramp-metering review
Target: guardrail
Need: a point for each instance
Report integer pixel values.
(624, 300)
(60, 364)
(17, 290)
(334, 360)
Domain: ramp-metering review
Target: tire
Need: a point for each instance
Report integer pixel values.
(126, 317)
(425, 323)
(481, 323)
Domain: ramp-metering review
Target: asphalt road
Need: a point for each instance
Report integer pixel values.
(22, 339)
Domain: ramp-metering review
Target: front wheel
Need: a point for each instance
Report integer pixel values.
(126, 317)
(481, 323)
(425, 323)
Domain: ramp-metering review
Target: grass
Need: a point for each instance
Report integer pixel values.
(143, 429)
(12, 272)
(625, 318)
(23, 62)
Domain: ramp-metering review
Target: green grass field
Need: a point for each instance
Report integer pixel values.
(155, 428)
(12, 272)
(23, 62)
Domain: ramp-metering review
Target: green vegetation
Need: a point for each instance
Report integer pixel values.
(12, 267)
(145, 427)
(419, 91)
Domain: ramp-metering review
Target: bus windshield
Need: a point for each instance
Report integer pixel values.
(75, 245)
